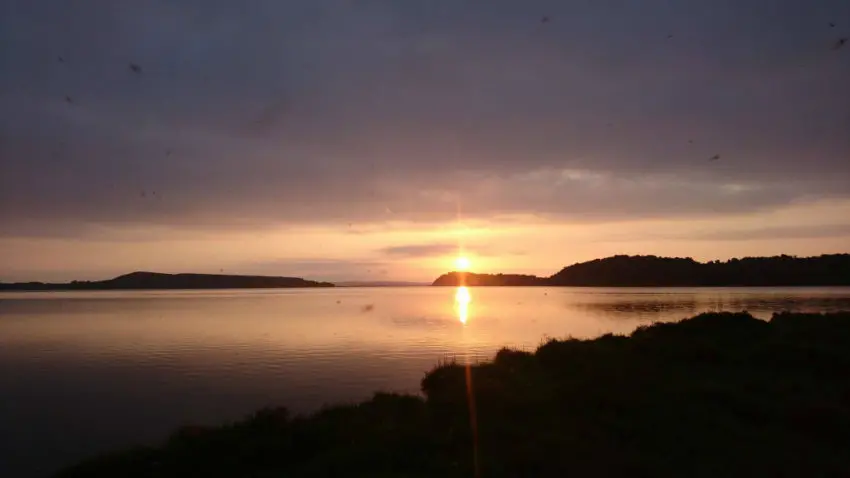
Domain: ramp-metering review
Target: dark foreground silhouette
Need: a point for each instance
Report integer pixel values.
(715, 395)
(653, 271)
(157, 280)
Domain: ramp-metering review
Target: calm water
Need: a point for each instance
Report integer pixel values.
(81, 372)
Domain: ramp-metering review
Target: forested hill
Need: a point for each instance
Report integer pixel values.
(156, 280)
(654, 271)
(482, 280)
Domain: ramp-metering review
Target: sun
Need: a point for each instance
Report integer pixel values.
(462, 263)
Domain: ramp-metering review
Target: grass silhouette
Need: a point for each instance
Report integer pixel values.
(720, 394)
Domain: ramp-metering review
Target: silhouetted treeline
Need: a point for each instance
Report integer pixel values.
(156, 280)
(654, 271)
(481, 280)
(719, 394)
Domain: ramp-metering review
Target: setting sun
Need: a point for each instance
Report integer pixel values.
(462, 263)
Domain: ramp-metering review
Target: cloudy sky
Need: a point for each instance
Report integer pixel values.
(369, 139)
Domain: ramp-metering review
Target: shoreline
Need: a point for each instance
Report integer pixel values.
(719, 393)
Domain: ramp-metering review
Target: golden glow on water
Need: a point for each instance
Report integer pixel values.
(462, 300)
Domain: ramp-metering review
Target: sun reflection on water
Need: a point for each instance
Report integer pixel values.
(462, 300)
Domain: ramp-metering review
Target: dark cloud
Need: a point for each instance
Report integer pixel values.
(322, 269)
(829, 231)
(443, 249)
(777, 232)
(361, 111)
(421, 250)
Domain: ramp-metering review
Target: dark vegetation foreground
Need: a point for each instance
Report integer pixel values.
(714, 395)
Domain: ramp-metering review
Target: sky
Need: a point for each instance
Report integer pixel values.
(373, 139)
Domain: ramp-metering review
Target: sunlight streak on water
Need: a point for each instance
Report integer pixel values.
(462, 300)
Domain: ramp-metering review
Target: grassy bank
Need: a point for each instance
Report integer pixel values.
(714, 395)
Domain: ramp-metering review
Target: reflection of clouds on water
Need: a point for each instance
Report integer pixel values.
(634, 309)
(665, 308)
(460, 312)
(422, 322)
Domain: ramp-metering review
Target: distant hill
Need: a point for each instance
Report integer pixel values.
(654, 271)
(482, 280)
(157, 280)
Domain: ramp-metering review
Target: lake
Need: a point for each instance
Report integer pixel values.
(85, 372)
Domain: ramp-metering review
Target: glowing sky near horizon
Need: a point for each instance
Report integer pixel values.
(376, 140)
